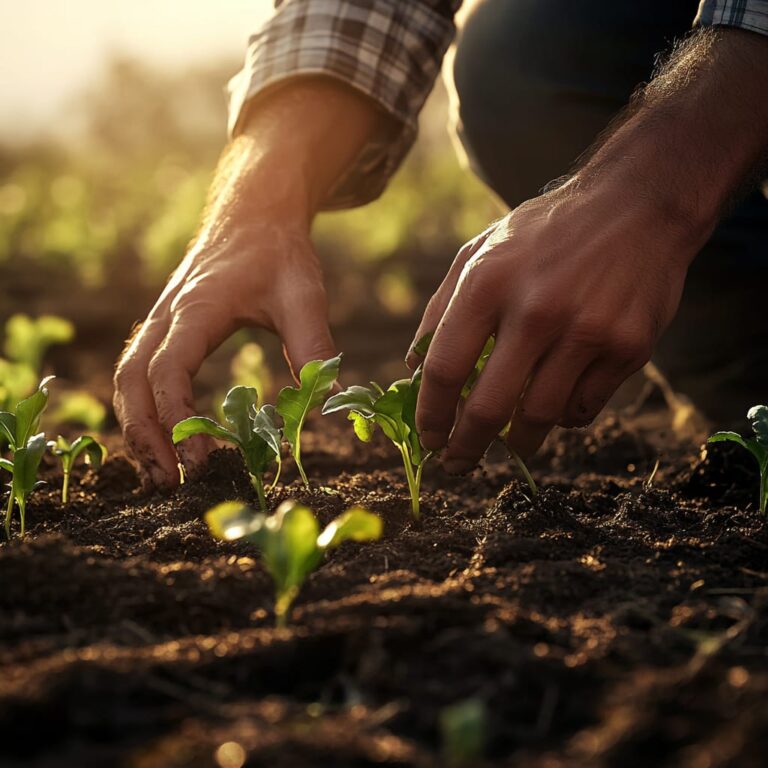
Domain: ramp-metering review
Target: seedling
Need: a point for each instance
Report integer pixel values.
(464, 731)
(757, 446)
(294, 403)
(395, 412)
(27, 339)
(422, 346)
(252, 429)
(290, 541)
(92, 449)
(19, 429)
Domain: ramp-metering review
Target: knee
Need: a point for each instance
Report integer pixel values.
(528, 103)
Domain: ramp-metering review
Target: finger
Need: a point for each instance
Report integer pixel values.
(469, 320)
(303, 328)
(440, 299)
(546, 397)
(195, 331)
(135, 409)
(593, 391)
(492, 400)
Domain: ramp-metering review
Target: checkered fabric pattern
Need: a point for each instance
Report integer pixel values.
(746, 14)
(391, 51)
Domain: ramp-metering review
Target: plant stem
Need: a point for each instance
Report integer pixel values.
(764, 489)
(414, 481)
(65, 487)
(8, 515)
(283, 604)
(297, 458)
(258, 484)
(276, 478)
(23, 514)
(528, 477)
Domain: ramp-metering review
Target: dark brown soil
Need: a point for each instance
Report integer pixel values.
(603, 622)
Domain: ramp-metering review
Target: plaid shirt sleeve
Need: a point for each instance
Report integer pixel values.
(389, 50)
(745, 14)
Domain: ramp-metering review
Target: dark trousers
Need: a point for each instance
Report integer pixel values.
(537, 81)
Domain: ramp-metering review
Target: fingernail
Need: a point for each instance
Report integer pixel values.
(433, 441)
(412, 360)
(458, 466)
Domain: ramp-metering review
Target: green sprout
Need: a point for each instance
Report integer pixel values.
(19, 430)
(757, 446)
(422, 346)
(294, 403)
(26, 341)
(395, 412)
(464, 731)
(94, 452)
(290, 541)
(252, 429)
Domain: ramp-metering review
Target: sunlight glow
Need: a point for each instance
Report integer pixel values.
(50, 50)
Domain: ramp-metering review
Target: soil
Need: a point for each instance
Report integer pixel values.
(618, 618)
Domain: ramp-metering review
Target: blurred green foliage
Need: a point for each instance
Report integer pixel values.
(132, 181)
(26, 341)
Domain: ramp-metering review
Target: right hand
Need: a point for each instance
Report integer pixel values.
(264, 274)
(251, 265)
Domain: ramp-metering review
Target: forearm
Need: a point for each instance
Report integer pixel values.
(695, 134)
(295, 143)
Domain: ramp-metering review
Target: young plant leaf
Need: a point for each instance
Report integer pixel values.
(421, 347)
(232, 520)
(68, 453)
(394, 411)
(254, 432)
(7, 428)
(758, 418)
(289, 540)
(265, 426)
(356, 524)
(200, 425)
(26, 462)
(363, 427)
(238, 406)
(316, 379)
(757, 446)
(6, 465)
(28, 413)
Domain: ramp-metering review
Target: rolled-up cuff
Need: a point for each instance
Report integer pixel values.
(744, 14)
(389, 51)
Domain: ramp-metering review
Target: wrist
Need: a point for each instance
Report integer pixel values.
(308, 132)
(689, 142)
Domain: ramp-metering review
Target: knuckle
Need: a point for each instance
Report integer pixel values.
(634, 349)
(589, 331)
(474, 286)
(441, 373)
(540, 318)
(539, 412)
(159, 366)
(124, 375)
(486, 413)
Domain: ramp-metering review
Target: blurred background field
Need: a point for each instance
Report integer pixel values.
(101, 188)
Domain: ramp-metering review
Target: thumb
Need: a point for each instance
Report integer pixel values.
(304, 330)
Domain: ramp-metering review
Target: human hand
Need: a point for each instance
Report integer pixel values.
(576, 297)
(252, 264)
